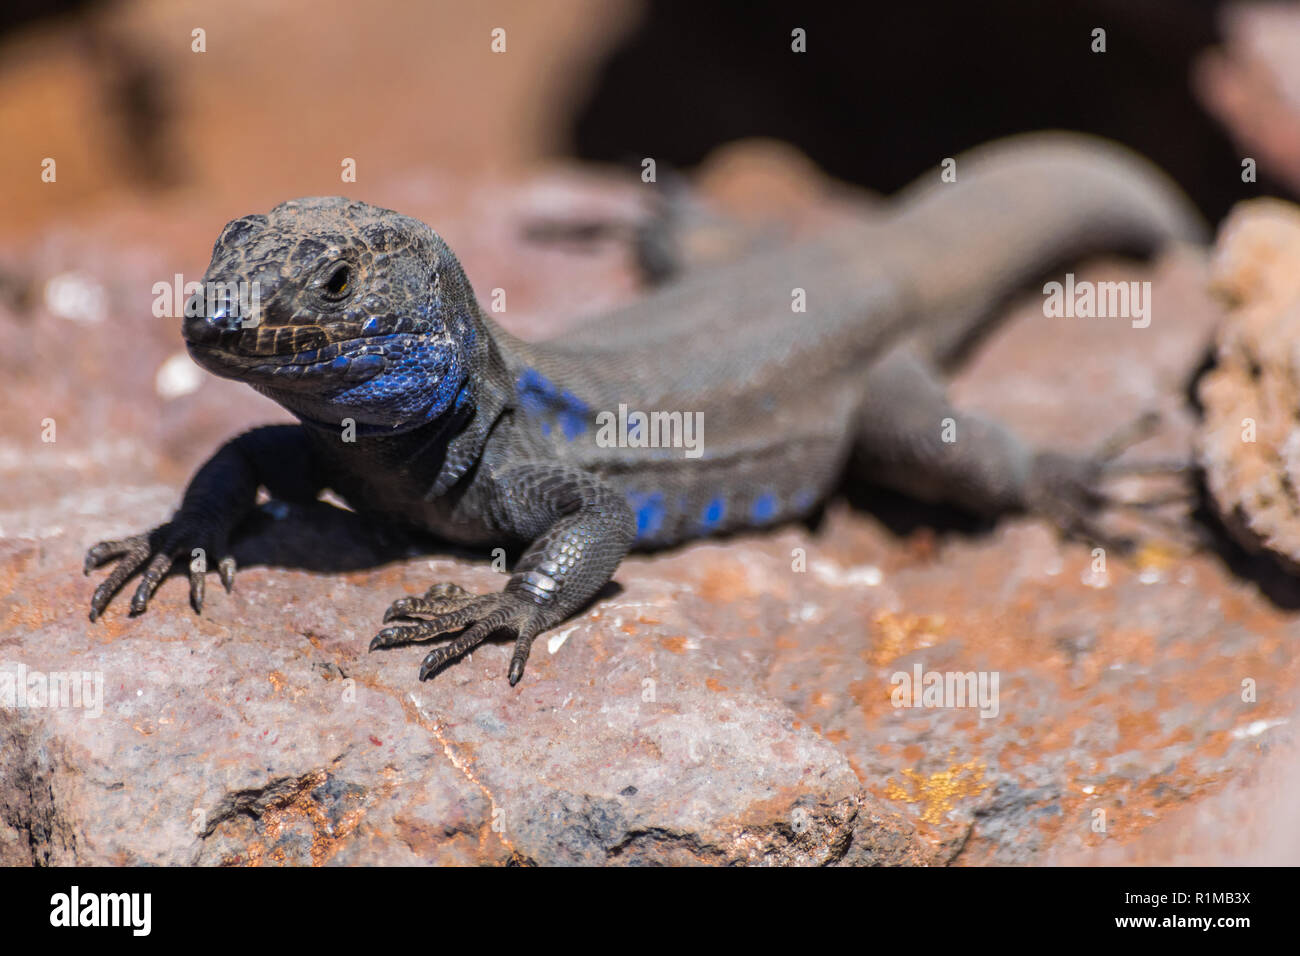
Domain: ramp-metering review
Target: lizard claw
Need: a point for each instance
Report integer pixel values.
(450, 608)
(155, 551)
(1069, 489)
(226, 572)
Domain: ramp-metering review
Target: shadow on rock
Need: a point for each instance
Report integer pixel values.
(325, 538)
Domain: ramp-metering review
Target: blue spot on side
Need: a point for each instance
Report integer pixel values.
(539, 397)
(573, 415)
(649, 511)
(713, 512)
(764, 507)
(534, 391)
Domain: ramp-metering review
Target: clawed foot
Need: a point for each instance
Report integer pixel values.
(156, 551)
(1069, 489)
(449, 607)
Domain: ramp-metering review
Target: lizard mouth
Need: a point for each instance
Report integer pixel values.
(296, 358)
(268, 341)
(294, 338)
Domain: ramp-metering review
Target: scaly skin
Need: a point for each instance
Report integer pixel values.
(415, 407)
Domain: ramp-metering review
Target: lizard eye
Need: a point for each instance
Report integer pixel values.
(337, 282)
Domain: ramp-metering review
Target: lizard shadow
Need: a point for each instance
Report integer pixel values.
(1277, 582)
(904, 516)
(324, 538)
(321, 537)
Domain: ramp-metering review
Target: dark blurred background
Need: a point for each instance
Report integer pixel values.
(113, 90)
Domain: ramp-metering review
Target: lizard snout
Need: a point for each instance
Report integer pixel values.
(217, 309)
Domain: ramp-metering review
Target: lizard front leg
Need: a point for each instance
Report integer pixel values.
(219, 496)
(580, 529)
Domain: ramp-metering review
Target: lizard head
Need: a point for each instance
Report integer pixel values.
(337, 309)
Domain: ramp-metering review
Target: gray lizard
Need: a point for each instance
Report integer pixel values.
(416, 408)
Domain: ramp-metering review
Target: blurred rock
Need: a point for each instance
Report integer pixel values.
(1251, 84)
(280, 95)
(1249, 444)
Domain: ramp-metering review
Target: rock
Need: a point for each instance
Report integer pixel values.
(1249, 444)
(1251, 84)
(222, 740)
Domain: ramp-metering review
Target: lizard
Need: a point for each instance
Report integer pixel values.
(417, 408)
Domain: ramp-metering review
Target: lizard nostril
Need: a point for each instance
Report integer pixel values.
(209, 313)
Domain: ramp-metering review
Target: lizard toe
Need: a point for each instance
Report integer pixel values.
(445, 591)
(134, 552)
(155, 552)
(441, 599)
(436, 626)
(506, 615)
(480, 616)
(226, 572)
(149, 581)
(106, 551)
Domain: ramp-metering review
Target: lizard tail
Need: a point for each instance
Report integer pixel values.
(1020, 207)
